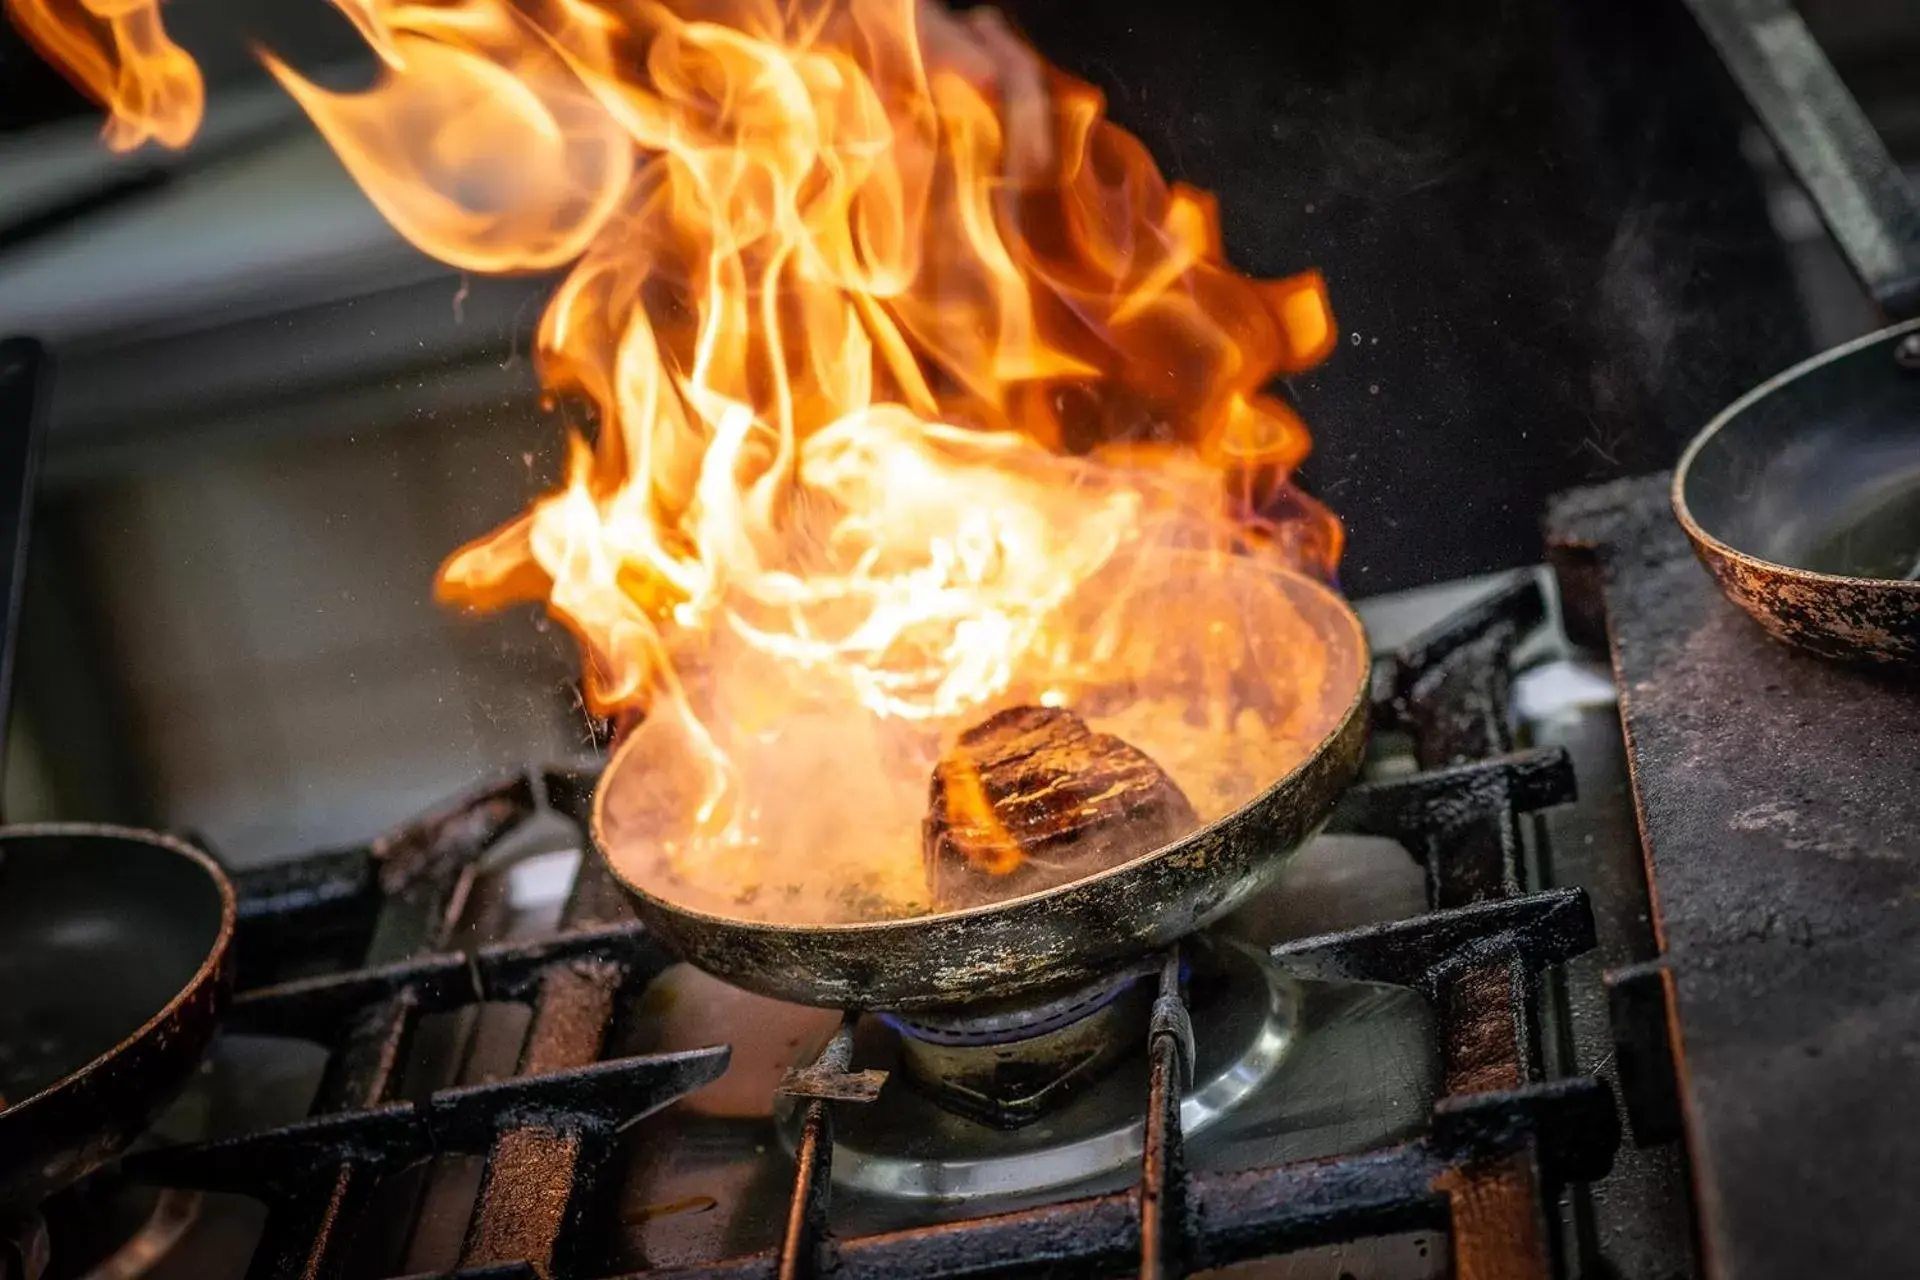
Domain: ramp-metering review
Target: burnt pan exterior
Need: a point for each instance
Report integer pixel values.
(1070, 933)
(1765, 484)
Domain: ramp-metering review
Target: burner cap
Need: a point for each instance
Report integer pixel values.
(913, 1143)
(1003, 1022)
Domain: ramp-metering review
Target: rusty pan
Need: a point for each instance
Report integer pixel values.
(1803, 501)
(1802, 498)
(1065, 934)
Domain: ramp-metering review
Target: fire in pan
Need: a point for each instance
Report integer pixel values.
(966, 931)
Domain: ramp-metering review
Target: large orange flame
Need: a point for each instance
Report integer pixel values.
(118, 53)
(848, 273)
(905, 359)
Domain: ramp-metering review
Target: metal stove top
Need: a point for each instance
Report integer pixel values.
(1777, 793)
(456, 1053)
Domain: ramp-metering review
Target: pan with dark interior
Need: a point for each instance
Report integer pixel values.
(1068, 933)
(1803, 497)
(1803, 500)
(113, 973)
(114, 943)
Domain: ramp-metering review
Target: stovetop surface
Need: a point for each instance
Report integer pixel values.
(1779, 795)
(1364, 1064)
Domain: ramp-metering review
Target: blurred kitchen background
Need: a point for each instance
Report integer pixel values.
(1554, 244)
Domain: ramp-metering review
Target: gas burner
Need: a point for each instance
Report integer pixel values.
(929, 1141)
(1007, 1065)
(1002, 1022)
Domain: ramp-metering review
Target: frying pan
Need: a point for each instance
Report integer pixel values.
(1802, 498)
(113, 974)
(1072, 932)
(114, 944)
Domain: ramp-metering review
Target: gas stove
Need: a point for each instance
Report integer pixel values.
(455, 1052)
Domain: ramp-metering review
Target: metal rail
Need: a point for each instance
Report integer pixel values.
(1826, 140)
(25, 374)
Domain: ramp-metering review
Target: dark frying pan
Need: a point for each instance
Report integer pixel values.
(114, 969)
(1802, 498)
(1069, 933)
(113, 943)
(1803, 501)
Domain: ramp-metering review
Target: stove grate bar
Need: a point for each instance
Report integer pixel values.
(1429, 810)
(325, 906)
(543, 1173)
(808, 1248)
(1246, 1214)
(1428, 952)
(1166, 1225)
(325, 1008)
(1455, 700)
(320, 1007)
(1515, 609)
(310, 1172)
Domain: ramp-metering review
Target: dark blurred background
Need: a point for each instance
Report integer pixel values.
(1555, 245)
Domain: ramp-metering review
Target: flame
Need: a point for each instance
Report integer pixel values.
(988, 845)
(906, 364)
(118, 53)
(851, 278)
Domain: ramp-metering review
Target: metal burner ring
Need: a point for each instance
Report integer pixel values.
(1003, 1024)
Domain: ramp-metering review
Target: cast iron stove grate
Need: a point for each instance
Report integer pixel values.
(1500, 1142)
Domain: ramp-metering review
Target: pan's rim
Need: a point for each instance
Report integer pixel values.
(210, 964)
(1677, 491)
(1342, 726)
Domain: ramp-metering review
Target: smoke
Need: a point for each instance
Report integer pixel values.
(1640, 277)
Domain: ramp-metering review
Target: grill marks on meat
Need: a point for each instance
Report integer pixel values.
(1031, 798)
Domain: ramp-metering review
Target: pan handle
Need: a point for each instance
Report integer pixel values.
(1826, 140)
(24, 369)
